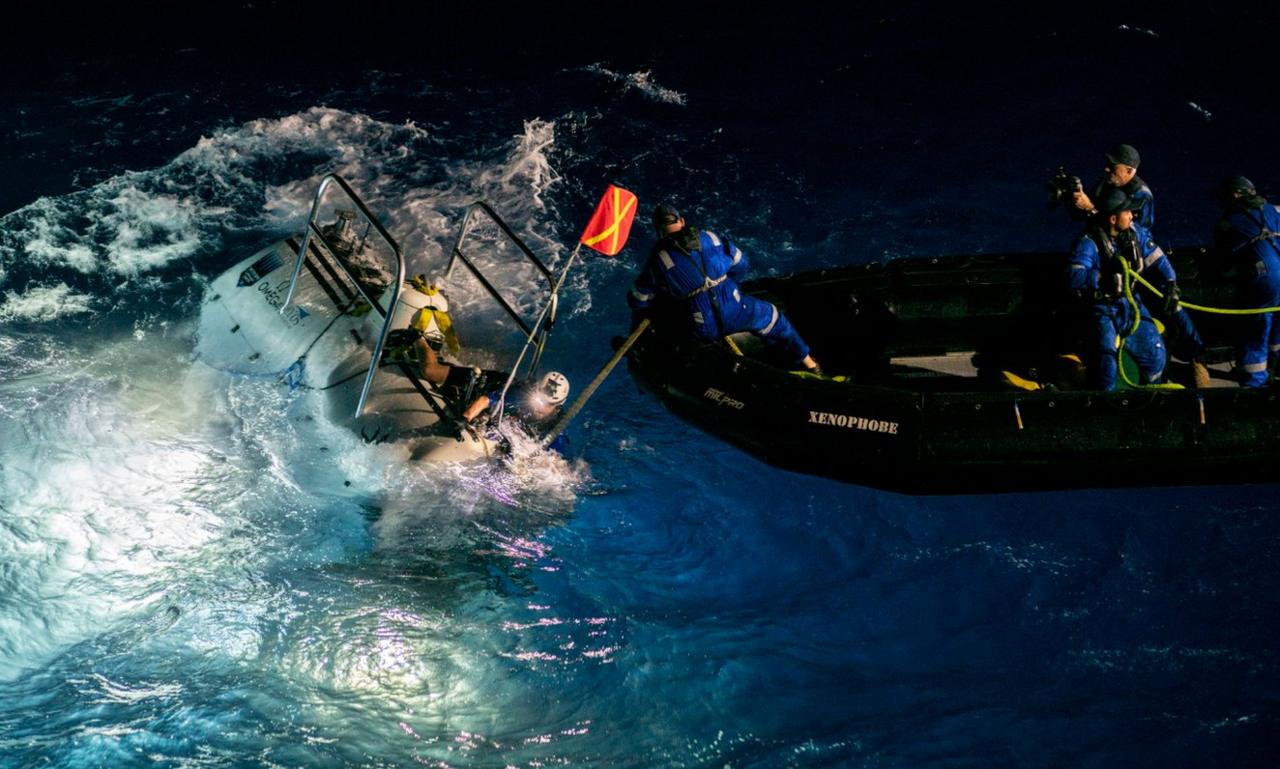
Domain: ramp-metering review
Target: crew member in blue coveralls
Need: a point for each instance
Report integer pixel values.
(1097, 275)
(1246, 238)
(698, 273)
(1121, 172)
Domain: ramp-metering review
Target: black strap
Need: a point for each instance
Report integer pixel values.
(706, 279)
(1263, 233)
(429, 397)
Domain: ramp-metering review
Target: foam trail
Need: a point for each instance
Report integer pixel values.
(643, 82)
(44, 303)
(105, 496)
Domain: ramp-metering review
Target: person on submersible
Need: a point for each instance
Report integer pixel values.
(1097, 274)
(537, 408)
(698, 272)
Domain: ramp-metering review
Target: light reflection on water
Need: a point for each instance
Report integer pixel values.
(162, 553)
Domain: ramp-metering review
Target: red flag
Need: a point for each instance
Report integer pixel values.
(611, 223)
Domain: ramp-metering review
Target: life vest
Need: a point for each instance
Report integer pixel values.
(430, 312)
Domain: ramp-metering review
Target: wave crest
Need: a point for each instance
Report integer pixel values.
(643, 82)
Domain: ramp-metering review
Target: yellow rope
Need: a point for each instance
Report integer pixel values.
(1202, 308)
(1129, 274)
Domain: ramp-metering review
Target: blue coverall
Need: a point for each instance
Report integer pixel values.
(1098, 277)
(1140, 193)
(1184, 340)
(702, 283)
(1248, 239)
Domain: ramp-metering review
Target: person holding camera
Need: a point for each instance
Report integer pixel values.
(1111, 243)
(1121, 173)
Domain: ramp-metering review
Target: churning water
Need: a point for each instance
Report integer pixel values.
(197, 570)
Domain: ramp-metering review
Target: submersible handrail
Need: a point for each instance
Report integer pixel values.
(546, 318)
(387, 315)
(457, 254)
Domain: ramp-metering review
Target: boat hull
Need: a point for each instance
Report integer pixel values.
(953, 439)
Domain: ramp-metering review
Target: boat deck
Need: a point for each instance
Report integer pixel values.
(956, 371)
(956, 367)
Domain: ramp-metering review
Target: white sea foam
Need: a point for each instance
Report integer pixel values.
(46, 236)
(263, 174)
(142, 220)
(1138, 30)
(125, 226)
(111, 489)
(150, 230)
(643, 82)
(44, 303)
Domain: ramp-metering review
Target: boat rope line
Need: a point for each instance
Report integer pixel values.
(1131, 275)
(341, 312)
(1127, 283)
(338, 383)
(1203, 308)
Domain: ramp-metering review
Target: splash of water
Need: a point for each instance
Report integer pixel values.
(643, 82)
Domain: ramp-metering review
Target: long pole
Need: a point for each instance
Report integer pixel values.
(590, 389)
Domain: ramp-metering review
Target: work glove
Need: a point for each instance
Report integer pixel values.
(1172, 299)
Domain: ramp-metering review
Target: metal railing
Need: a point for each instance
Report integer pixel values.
(387, 313)
(542, 326)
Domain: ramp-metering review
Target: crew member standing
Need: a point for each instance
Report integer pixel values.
(1246, 239)
(698, 273)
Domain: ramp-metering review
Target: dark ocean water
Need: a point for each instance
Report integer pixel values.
(182, 584)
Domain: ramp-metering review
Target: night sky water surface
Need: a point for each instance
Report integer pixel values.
(196, 570)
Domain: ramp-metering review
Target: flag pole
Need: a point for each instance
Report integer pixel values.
(616, 203)
(515, 369)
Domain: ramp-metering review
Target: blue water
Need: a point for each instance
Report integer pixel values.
(183, 581)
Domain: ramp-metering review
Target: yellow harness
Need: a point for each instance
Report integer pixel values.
(427, 315)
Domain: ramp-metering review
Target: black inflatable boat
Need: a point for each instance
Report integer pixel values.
(924, 404)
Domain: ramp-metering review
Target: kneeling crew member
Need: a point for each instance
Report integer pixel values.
(1097, 274)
